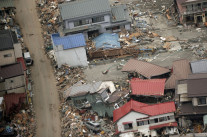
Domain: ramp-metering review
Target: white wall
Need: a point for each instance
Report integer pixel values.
(17, 50)
(7, 60)
(73, 57)
(130, 117)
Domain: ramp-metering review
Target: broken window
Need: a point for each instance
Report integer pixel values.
(202, 101)
(156, 120)
(81, 22)
(161, 119)
(142, 123)
(97, 19)
(189, 7)
(170, 117)
(116, 28)
(128, 126)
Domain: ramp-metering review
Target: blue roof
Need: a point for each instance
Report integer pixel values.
(70, 41)
(107, 41)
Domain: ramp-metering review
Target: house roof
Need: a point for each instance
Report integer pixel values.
(117, 95)
(197, 85)
(11, 70)
(82, 8)
(150, 110)
(149, 87)
(199, 66)
(7, 39)
(146, 69)
(107, 41)
(21, 60)
(70, 41)
(181, 70)
(189, 109)
(80, 89)
(6, 4)
(180, 7)
(119, 13)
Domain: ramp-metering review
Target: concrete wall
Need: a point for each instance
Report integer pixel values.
(14, 82)
(7, 60)
(73, 57)
(18, 50)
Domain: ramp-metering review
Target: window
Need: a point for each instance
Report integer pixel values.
(7, 55)
(205, 5)
(128, 126)
(116, 28)
(170, 117)
(156, 120)
(97, 19)
(202, 101)
(142, 123)
(161, 119)
(81, 22)
(11, 81)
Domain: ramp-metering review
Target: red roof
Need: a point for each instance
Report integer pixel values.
(172, 124)
(21, 60)
(148, 87)
(150, 110)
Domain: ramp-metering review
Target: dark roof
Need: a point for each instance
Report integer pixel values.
(146, 69)
(181, 70)
(117, 95)
(189, 109)
(11, 70)
(6, 4)
(82, 8)
(7, 39)
(197, 85)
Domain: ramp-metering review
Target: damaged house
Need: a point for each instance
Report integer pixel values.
(92, 17)
(145, 119)
(101, 97)
(141, 69)
(192, 11)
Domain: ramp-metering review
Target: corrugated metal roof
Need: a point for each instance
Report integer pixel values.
(6, 4)
(181, 70)
(70, 41)
(7, 39)
(197, 85)
(82, 89)
(11, 70)
(107, 41)
(150, 110)
(21, 60)
(171, 124)
(119, 13)
(199, 66)
(83, 8)
(151, 87)
(146, 69)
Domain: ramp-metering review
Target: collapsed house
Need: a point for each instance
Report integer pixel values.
(192, 11)
(144, 69)
(69, 50)
(92, 17)
(145, 119)
(101, 97)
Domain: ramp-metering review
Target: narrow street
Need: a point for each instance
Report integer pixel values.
(46, 100)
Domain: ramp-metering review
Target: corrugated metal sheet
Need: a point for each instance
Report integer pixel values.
(118, 13)
(6, 4)
(151, 87)
(181, 70)
(199, 66)
(171, 124)
(150, 110)
(146, 69)
(70, 41)
(197, 85)
(107, 41)
(83, 8)
(82, 89)
(116, 96)
(12, 70)
(21, 60)
(189, 109)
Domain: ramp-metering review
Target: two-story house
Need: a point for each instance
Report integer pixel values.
(10, 49)
(93, 16)
(145, 119)
(192, 11)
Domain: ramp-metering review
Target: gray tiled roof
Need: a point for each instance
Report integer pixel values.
(199, 66)
(7, 39)
(6, 4)
(83, 8)
(82, 89)
(119, 13)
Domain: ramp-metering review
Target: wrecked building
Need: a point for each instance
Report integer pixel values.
(70, 50)
(145, 119)
(91, 17)
(144, 69)
(192, 11)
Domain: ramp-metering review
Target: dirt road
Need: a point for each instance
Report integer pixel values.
(46, 101)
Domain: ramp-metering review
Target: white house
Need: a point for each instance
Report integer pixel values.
(70, 50)
(145, 119)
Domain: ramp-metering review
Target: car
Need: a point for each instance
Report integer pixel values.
(28, 59)
(92, 125)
